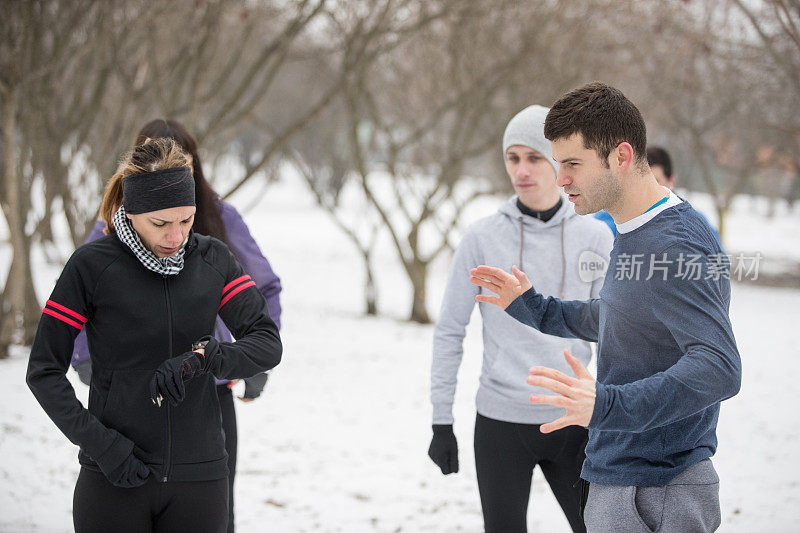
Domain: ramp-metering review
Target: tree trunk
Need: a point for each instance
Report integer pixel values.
(369, 287)
(794, 189)
(53, 177)
(27, 321)
(722, 212)
(3, 315)
(418, 274)
(32, 312)
(18, 283)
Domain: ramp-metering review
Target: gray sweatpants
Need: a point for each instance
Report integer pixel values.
(688, 504)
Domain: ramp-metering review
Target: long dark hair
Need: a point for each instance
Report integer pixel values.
(207, 219)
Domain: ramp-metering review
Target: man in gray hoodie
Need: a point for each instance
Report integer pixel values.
(536, 228)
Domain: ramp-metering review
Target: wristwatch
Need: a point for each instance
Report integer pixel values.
(196, 345)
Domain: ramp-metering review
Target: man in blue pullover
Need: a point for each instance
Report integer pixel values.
(666, 355)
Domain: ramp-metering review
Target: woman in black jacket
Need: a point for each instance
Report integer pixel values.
(218, 219)
(152, 447)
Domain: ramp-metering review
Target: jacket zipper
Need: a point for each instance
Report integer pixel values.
(169, 411)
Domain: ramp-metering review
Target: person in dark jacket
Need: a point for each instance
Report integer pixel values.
(220, 220)
(148, 294)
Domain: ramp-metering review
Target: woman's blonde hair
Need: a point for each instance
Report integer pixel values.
(152, 154)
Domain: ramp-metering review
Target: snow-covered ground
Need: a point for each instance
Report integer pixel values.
(338, 441)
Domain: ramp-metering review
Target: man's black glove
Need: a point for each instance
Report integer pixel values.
(168, 381)
(444, 448)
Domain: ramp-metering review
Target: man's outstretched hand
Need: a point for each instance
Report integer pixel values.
(575, 394)
(500, 282)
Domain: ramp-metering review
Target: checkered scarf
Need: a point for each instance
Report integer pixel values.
(167, 266)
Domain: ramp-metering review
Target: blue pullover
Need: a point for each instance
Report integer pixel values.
(666, 355)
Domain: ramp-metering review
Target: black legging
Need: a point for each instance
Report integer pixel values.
(505, 456)
(100, 507)
(229, 427)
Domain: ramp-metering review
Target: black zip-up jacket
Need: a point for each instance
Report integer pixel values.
(135, 319)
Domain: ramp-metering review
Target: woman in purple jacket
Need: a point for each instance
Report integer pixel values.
(220, 220)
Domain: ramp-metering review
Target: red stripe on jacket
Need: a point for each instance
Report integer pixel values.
(234, 283)
(70, 312)
(62, 318)
(236, 291)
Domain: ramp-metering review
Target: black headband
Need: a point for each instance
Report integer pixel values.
(160, 189)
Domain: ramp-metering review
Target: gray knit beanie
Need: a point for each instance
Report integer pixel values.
(527, 129)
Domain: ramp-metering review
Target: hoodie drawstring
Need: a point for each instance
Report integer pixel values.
(521, 243)
(563, 254)
(563, 263)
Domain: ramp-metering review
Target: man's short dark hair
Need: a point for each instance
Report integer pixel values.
(658, 157)
(602, 115)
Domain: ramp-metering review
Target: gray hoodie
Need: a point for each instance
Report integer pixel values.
(548, 252)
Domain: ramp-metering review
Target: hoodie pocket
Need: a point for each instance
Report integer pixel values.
(507, 375)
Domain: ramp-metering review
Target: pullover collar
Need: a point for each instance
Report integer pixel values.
(545, 215)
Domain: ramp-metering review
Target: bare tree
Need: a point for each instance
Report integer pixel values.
(79, 77)
(700, 94)
(401, 100)
(43, 40)
(326, 183)
(417, 118)
(776, 24)
(367, 32)
(424, 107)
(219, 79)
(67, 112)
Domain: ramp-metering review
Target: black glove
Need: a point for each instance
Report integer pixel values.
(84, 370)
(444, 448)
(168, 381)
(254, 385)
(132, 472)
